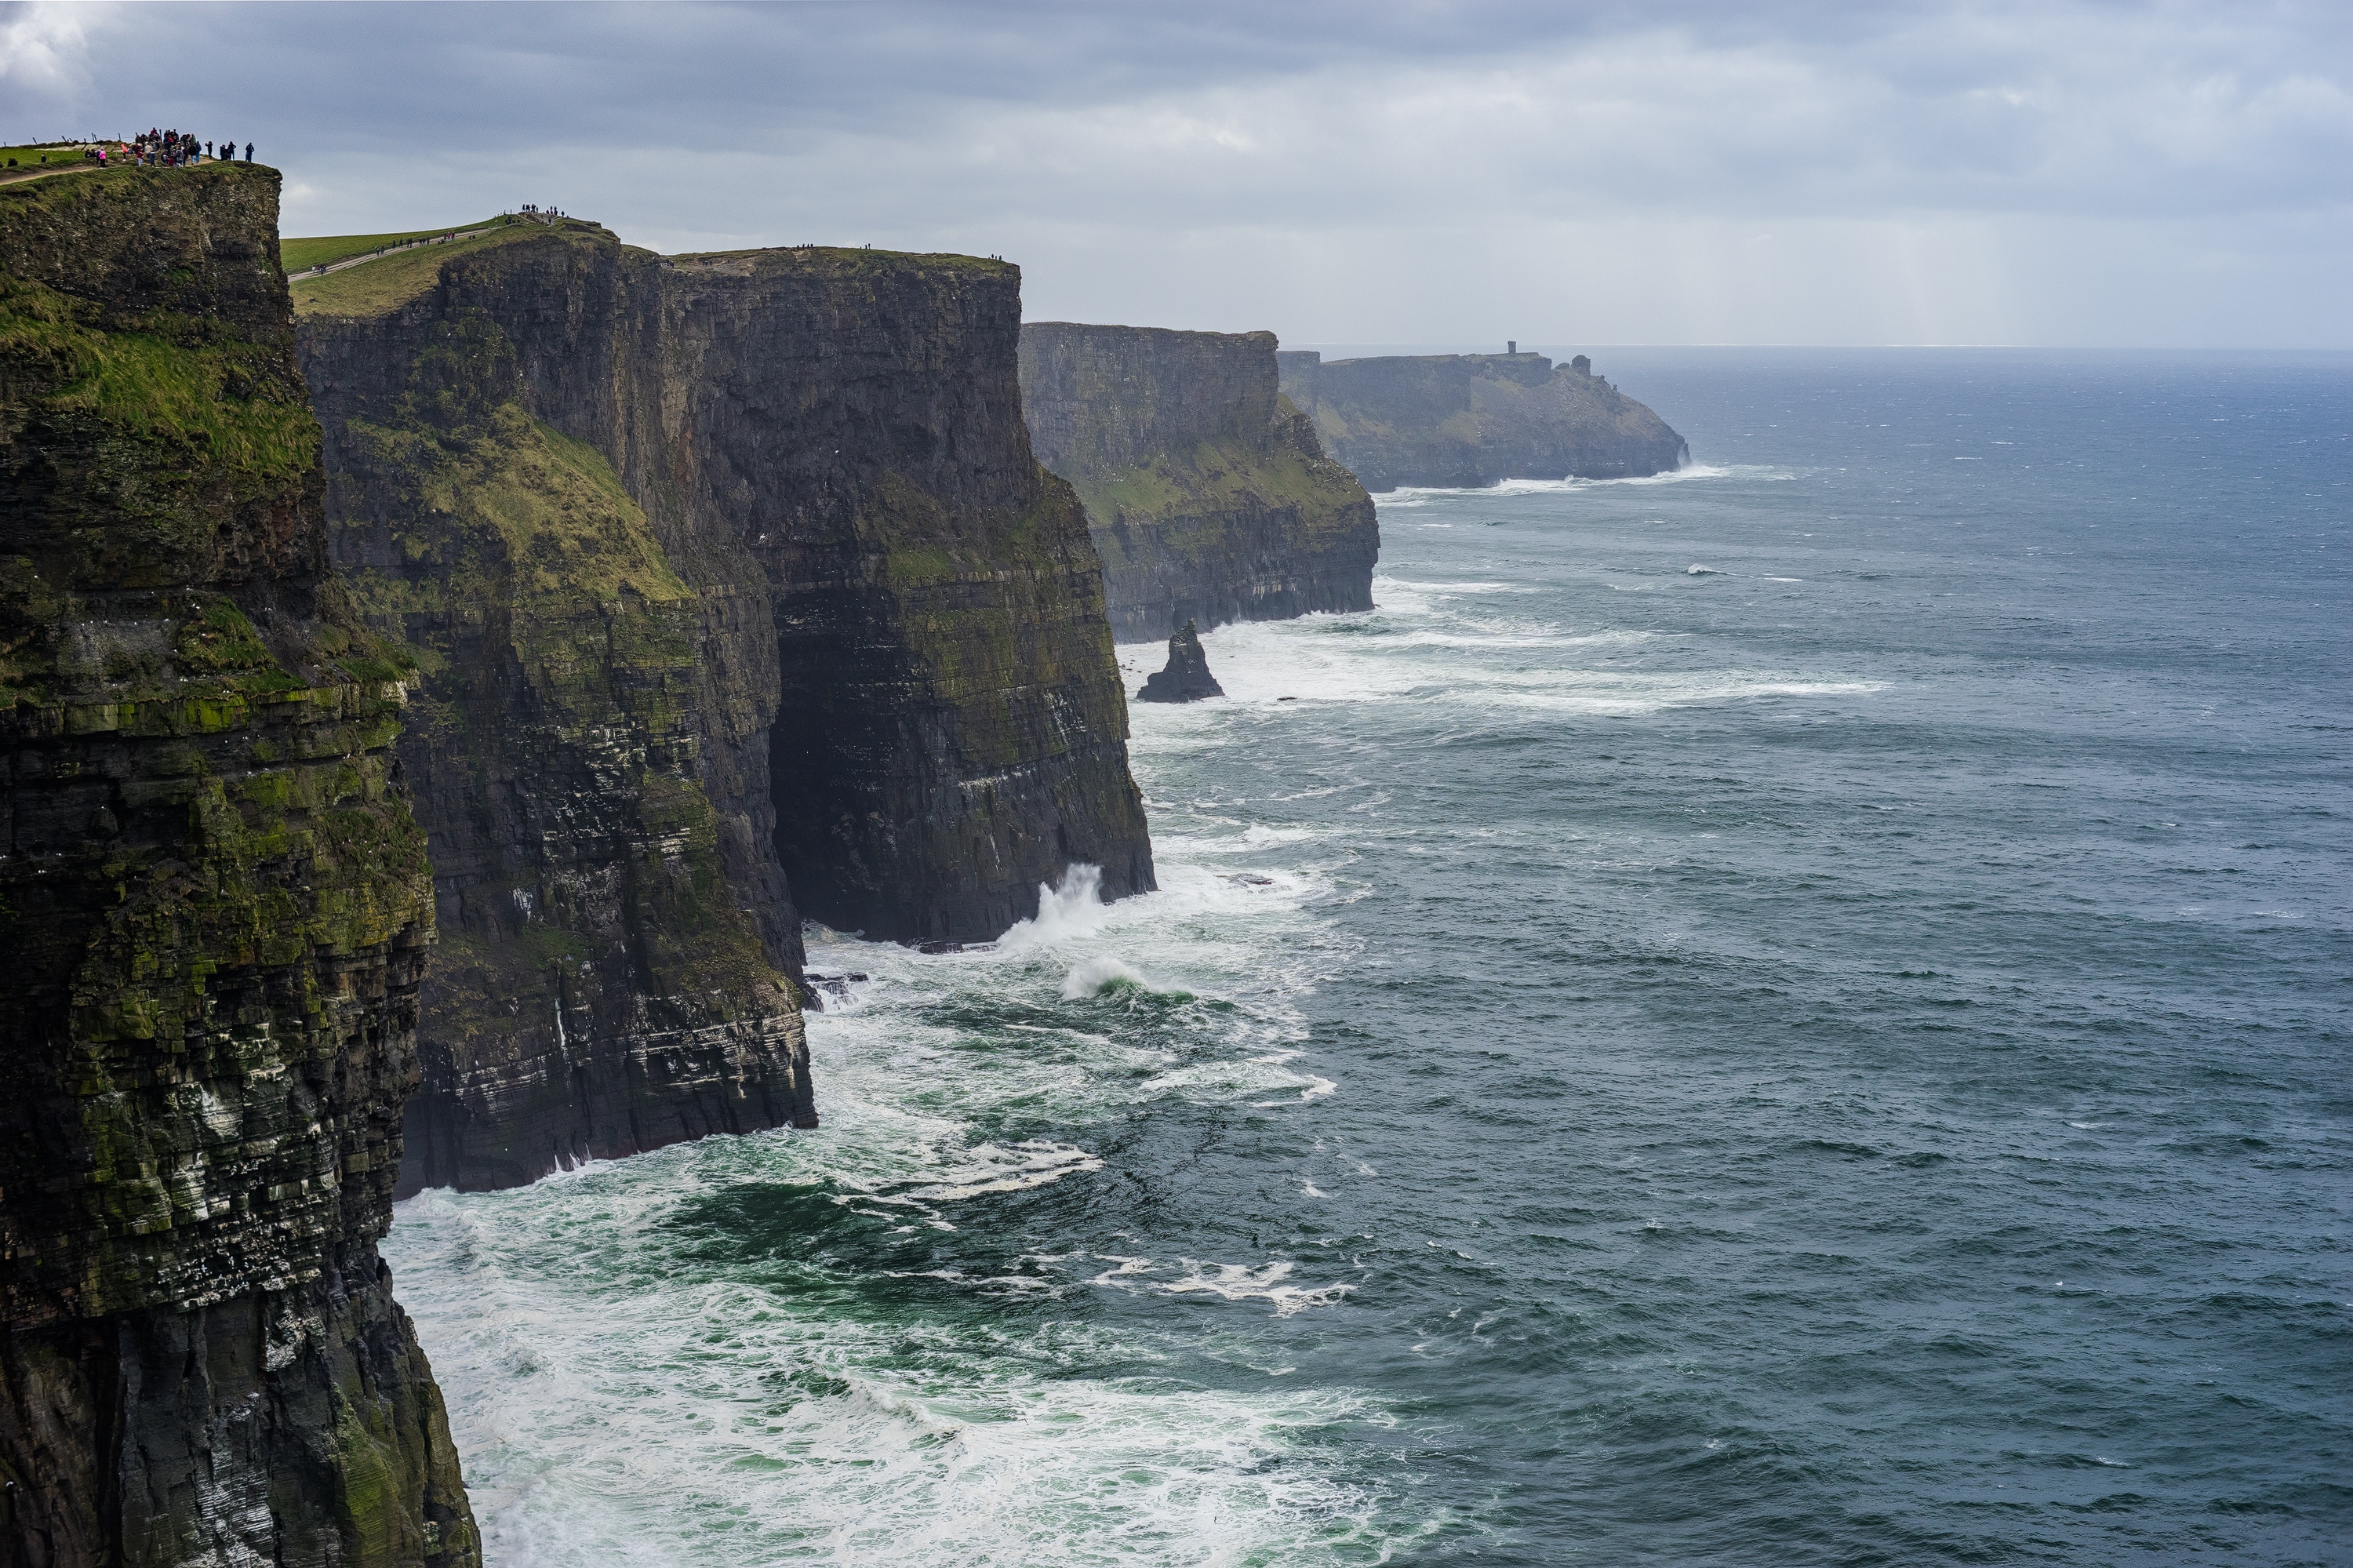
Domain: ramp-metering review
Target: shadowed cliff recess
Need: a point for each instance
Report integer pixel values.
(213, 906)
(1463, 421)
(1206, 493)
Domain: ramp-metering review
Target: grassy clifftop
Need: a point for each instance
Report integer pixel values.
(374, 288)
(300, 255)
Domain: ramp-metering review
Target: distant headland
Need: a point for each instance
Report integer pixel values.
(1463, 420)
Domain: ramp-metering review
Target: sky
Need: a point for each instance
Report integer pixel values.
(2056, 174)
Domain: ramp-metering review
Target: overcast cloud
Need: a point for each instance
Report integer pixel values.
(2059, 173)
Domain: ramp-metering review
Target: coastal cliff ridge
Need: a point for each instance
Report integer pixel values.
(1208, 494)
(213, 910)
(1468, 420)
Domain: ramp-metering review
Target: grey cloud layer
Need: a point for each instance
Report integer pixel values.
(1128, 134)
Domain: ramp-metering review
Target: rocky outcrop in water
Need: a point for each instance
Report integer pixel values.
(1185, 678)
(735, 588)
(213, 908)
(1206, 494)
(1469, 420)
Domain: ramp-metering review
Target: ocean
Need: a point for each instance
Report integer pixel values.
(1792, 1012)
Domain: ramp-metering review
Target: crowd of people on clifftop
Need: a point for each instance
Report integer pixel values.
(171, 150)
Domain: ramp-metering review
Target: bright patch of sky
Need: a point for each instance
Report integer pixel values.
(2056, 173)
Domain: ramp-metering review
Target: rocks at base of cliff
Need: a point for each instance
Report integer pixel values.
(1187, 677)
(213, 908)
(1465, 420)
(1208, 494)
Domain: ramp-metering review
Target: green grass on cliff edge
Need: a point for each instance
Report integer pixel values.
(36, 155)
(386, 284)
(319, 251)
(851, 259)
(165, 382)
(393, 280)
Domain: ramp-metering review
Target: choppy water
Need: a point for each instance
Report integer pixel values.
(1796, 1013)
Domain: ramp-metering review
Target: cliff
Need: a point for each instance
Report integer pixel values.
(603, 986)
(952, 732)
(214, 909)
(735, 588)
(1462, 420)
(1208, 494)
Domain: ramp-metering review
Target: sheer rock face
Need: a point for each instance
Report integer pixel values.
(214, 909)
(736, 588)
(1462, 420)
(952, 733)
(1208, 494)
(588, 743)
(1185, 678)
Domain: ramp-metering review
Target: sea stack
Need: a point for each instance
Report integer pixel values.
(1186, 678)
(214, 909)
(1463, 421)
(1206, 494)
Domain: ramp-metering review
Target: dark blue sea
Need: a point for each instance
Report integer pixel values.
(1794, 1013)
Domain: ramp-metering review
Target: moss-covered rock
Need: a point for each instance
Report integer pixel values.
(1206, 494)
(603, 987)
(909, 699)
(214, 911)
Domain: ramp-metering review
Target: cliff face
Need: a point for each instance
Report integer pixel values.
(1207, 493)
(586, 754)
(1469, 419)
(951, 732)
(735, 587)
(214, 907)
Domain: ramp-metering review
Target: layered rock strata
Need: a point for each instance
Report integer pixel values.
(736, 587)
(213, 910)
(1463, 421)
(952, 733)
(1208, 494)
(603, 987)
